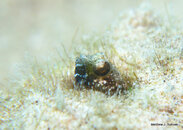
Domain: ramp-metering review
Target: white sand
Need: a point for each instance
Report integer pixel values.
(141, 41)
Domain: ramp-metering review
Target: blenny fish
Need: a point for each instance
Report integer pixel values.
(98, 73)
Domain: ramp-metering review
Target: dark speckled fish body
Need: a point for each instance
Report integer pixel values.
(96, 72)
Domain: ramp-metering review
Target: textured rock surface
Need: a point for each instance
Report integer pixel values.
(143, 45)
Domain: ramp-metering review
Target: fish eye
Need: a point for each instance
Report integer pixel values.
(101, 68)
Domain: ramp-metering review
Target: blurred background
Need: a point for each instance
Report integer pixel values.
(37, 26)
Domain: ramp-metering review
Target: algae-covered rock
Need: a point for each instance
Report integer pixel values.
(142, 50)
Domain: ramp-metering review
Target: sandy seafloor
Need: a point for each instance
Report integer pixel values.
(144, 41)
